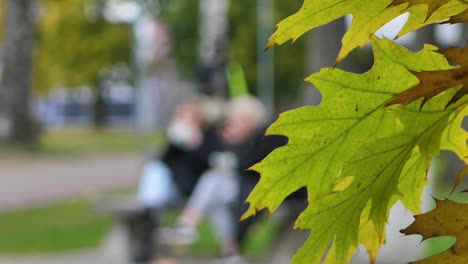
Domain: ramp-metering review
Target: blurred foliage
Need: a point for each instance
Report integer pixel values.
(243, 36)
(182, 18)
(76, 43)
(289, 61)
(2, 19)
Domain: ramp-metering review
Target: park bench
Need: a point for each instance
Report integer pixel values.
(142, 243)
(138, 222)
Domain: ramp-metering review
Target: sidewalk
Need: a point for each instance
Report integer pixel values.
(36, 181)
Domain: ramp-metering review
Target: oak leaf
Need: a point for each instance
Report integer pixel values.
(447, 219)
(368, 17)
(433, 83)
(431, 5)
(455, 139)
(418, 18)
(460, 18)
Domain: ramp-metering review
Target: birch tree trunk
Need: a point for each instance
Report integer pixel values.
(213, 42)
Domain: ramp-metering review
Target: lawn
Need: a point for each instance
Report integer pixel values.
(88, 141)
(72, 142)
(55, 228)
(74, 226)
(258, 242)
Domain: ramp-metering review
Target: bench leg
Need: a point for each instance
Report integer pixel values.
(140, 230)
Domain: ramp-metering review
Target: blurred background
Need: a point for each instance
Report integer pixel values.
(88, 86)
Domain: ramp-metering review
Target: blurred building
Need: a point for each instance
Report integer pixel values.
(74, 107)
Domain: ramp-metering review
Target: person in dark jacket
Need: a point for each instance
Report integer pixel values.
(172, 175)
(176, 171)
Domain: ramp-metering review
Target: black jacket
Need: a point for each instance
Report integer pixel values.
(186, 166)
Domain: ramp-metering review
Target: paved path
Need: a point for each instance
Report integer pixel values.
(30, 182)
(34, 181)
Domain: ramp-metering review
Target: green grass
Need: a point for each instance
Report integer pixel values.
(261, 238)
(88, 141)
(74, 226)
(55, 228)
(258, 242)
(72, 142)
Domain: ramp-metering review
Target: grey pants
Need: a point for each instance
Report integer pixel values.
(214, 195)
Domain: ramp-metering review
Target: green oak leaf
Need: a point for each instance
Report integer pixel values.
(367, 237)
(336, 218)
(376, 169)
(430, 6)
(368, 17)
(454, 138)
(417, 18)
(351, 130)
(322, 138)
(412, 182)
(429, 143)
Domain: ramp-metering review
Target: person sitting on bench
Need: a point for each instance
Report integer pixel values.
(172, 175)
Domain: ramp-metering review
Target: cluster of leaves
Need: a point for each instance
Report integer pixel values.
(183, 18)
(75, 46)
(371, 140)
(289, 62)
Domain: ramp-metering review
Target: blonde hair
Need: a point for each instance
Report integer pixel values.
(248, 107)
(194, 106)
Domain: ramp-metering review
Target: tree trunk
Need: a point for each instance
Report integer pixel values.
(213, 45)
(17, 123)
